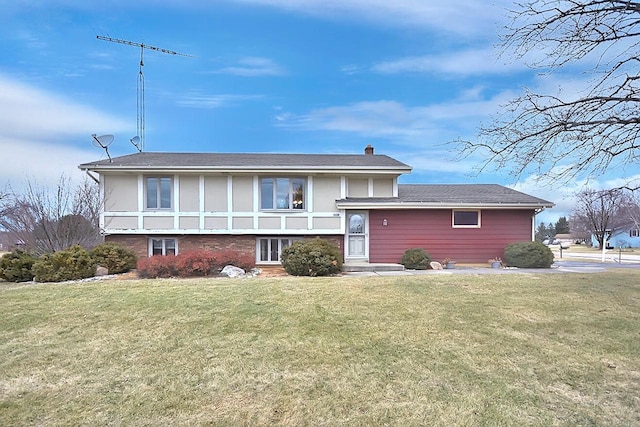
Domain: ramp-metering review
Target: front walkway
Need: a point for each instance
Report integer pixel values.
(560, 266)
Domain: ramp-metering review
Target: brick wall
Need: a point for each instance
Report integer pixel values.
(244, 244)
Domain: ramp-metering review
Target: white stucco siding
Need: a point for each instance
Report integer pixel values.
(326, 190)
(383, 187)
(189, 193)
(215, 194)
(120, 193)
(121, 222)
(357, 187)
(242, 194)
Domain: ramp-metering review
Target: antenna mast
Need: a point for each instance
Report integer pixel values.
(140, 91)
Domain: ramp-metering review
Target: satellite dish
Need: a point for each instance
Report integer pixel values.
(136, 143)
(102, 141)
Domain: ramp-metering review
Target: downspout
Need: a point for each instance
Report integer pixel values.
(97, 181)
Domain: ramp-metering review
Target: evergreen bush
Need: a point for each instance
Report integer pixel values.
(312, 257)
(115, 258)
(528, 255)
(17, 266)
(70, 264)
(416, 259)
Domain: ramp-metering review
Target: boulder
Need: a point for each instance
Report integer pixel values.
(101, 271)
(435, 265)
(232, 271)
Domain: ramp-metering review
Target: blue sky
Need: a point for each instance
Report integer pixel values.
(291, 76)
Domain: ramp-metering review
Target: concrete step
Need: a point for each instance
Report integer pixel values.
(365, 266)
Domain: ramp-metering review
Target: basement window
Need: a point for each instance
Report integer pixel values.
(163, 246)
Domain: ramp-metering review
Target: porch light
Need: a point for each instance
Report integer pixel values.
(384, 222)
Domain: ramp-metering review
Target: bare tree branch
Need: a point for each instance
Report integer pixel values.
(565, 135)
(44, 221)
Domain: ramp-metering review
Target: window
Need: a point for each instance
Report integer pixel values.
(466, 219)
(158, 192)
(162, 246)
(270, 248)
(634, 232)
(282, 193)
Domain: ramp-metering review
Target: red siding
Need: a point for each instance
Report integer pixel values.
(432, 230)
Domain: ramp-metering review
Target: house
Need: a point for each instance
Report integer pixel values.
(625, 238)
(164, 203)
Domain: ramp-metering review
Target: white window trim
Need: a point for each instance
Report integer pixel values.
(279, 238)
(453, 215)
(174, 189)
(305, 200)
(164, 249)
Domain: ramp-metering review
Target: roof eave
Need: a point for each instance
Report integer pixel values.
(432, 205)
(247, 169)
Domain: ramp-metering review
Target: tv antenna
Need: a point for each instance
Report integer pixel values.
(103, 142)
(139, 138)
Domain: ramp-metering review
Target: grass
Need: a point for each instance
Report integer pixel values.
(556, 349)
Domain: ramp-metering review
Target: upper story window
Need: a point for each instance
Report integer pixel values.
(158, 192)
(466, 219)
(635, 232)
(282, 193)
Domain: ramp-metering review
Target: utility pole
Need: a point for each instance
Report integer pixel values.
(138, 140)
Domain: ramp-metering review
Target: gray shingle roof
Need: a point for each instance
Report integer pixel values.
(245, 160)
(453, 194)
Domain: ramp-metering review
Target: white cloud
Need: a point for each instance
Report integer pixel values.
(195, 100)
(41, 162)
(38, 129)
(28, 112)
(564, 194)
(252, 66)
(464, 17)
(484, 60)
(395, 121)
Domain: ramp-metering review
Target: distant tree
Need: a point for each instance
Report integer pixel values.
(44, 221)
(583, 131)
(602, 213)
(551, 230)
(541, 232)
(562, 226)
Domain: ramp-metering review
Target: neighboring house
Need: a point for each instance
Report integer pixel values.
(629, 238)
(164, 203)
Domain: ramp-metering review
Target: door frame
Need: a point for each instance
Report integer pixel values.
(364, 257)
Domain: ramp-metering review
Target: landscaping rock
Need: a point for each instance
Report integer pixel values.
(435, 265)
(101, 271)
(232, 271)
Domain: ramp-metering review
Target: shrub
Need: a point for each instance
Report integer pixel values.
(70, 264)
(157, 266)
(528, 255)
(196, 263)
(17, 266)
(416, 259)
(241, 260)
(193, 263)
(312, 257)
(114, 258)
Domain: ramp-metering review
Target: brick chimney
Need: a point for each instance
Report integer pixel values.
(368, 150)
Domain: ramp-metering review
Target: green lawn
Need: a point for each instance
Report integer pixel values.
(516, 349)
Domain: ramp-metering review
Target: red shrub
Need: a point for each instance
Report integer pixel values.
(157, 266)
(238, 259)
(193, 263)
(197, 263)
